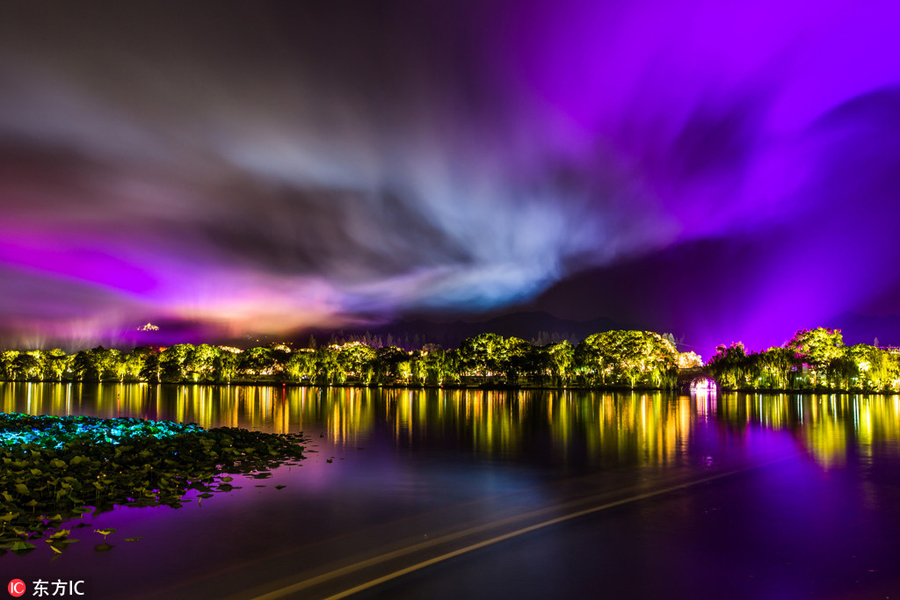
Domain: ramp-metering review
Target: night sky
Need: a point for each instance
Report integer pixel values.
(721, 170)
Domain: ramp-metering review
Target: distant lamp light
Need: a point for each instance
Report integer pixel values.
(703, 385)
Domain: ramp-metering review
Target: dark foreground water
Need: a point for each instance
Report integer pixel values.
(452, 494)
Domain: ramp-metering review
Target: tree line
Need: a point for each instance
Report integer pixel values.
(609, 359)
(814, 359)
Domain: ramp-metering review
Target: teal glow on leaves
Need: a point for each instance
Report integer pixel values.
(69, 466)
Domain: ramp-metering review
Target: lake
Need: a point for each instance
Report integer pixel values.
(485, 494)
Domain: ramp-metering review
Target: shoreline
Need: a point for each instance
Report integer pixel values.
(482, 387)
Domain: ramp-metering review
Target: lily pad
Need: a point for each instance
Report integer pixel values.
(70, 466)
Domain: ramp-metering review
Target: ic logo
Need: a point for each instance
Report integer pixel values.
(16, 588)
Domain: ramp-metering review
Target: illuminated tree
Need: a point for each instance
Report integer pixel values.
(817, 348)
(56, 363)
(434, 360)
(871, 368)
(355, 359)
(256, 362)
(172, 362)
(225, 366)
(778, 367)
(593, 359)
(483, 354)
(150, 371)
(627, 357)
(111, 364)
(200, 363)
(729, 365)
(689, 360)
(519, 358)
(85, 367)
(7, 359)
(328, 368)
(561, 360)
(417, 370)
(301, 366)
(26, 367)
(404, 370)
(387, 364)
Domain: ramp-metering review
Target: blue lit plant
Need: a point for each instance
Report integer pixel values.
(58, 468)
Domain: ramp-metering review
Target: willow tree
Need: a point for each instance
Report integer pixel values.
(777, 367)
(329, 370)
(436, 363)
(729, 365)
(301, 365)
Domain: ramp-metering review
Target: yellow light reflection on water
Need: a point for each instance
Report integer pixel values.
(595, 427)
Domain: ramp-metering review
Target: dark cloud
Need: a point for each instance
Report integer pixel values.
(268, 166)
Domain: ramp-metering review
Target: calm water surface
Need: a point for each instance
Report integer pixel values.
(499, 494)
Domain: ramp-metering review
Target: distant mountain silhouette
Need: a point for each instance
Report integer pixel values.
(541, 327)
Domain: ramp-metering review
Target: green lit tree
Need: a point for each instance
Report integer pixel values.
(200, 363)
(7, 358)
(172, 363)
(625, 357)
(136, 363)
(111, 364)
(356, 360)
(56, 363)
(225, 366)
(417, 367)
(561, 361)
(387, 364)
(150, 370)
(817, 348)
(301, 366)
(85, 366)
(778, 367)
(729, 365)
(256, 363)
(484, 354)
(328, 368)
(518, 359)
(434, 360)
(26, 367)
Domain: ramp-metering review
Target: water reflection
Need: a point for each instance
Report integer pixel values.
(829, 425)
(595, 428)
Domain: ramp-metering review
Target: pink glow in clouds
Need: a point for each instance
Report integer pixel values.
(244, 169)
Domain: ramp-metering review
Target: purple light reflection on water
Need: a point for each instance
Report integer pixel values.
(408, 462)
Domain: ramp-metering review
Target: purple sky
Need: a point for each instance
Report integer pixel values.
(721, 170)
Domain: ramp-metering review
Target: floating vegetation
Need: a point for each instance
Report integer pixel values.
(55, 469)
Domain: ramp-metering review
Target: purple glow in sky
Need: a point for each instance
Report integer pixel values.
(722, 170)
